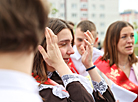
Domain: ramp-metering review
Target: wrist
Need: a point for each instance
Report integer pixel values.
(90, 68)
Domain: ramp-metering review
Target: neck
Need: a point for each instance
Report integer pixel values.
(49, 68)
(123, 60)
(21, 62)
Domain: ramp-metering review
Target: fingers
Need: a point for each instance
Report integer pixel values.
(52, 35)
(47, 35)
(89, 36)
(87, 42)
(82, 49)
(43, 52)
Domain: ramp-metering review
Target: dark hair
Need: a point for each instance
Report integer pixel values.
(39, 66)
(111, 40)
(21, 24)
(87, 25)
(71, 23)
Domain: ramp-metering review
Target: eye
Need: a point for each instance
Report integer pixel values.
(132, 35)
(63, 44)
(123, 36)
(80, 40)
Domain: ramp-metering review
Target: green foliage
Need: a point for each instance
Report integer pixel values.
(136, 50)
(54, 11)
(135, 25)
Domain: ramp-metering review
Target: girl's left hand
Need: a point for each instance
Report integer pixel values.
(53, 55)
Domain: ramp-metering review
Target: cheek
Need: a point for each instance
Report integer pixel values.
(78, 43)
(63, 52)
(133, 40)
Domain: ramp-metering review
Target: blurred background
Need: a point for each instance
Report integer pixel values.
(101, 12)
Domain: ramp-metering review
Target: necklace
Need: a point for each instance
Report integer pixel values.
(124, 66)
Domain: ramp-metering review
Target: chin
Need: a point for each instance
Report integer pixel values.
(129, 53)
(66, 62)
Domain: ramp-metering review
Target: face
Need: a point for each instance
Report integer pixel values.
(79, 39)
(126, 42)
(65, 44)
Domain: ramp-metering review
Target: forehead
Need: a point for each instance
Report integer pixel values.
(126, 30)
(64, 34)
(79, 33)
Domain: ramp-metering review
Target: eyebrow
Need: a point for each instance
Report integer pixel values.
(79, 38)
(126, 33)
(67, 40)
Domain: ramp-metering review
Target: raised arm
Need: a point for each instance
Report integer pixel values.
(53, 55)
(87, 57)
(102, 92)
(54, 59)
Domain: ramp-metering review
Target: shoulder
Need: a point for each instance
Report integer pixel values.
(97, 51)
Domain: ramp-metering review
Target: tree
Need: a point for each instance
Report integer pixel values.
(53, 9)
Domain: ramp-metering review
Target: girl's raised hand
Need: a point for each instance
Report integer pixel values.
(52, 54)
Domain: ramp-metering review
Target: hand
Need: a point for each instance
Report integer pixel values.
(87, 54)
(53, 55)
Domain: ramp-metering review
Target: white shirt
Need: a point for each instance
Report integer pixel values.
(76, 58)
(18, 87)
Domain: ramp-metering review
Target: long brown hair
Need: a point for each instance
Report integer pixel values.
(39, 66)
(110, 43)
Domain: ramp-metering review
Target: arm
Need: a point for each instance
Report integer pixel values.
(53, 55)
(102, 91)
(54, 59)
(87, 57)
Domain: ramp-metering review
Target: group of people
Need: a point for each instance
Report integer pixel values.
(65, 64)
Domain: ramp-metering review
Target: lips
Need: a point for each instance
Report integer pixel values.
(66, 59)
(129, 47)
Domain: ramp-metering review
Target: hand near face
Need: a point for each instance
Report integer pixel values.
(87, 54)
(53, 55)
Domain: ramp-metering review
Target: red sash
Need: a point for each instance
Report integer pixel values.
(116, 75)
(72, 66)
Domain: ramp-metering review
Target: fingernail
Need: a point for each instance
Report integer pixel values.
(85, 32)
(39, 47)
(47, 28)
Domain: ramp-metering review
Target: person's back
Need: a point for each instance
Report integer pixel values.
(21, 27)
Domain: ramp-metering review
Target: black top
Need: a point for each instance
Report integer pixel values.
(77, 93)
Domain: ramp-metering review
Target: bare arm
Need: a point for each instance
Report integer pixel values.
(87, 57)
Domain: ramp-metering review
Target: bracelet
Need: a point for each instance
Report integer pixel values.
(90, 68)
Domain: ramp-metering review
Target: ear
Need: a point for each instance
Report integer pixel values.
(96, 40)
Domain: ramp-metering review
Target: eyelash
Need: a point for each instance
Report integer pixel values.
(125, 36)
(63, 44)
(80, 40)
(132, 35)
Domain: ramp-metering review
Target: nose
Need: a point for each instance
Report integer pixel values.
(70, 50)
(130, 39)
(83, 43)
